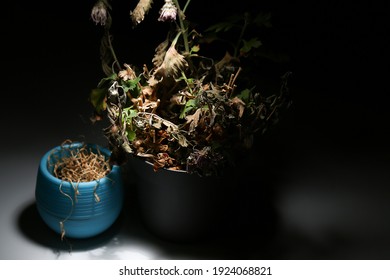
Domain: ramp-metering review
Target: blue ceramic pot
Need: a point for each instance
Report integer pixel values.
(92, 211)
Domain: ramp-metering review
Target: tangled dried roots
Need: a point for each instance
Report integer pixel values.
(81, 165)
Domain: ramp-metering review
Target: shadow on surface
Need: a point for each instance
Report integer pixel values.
(33, 228)
(247, 228)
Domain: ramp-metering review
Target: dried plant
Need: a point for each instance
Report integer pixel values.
(81, 165)
(188, 111)
(142, 8)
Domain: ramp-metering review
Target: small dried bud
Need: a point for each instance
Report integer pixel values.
(168, 12)
(99, 13)
(114, 129)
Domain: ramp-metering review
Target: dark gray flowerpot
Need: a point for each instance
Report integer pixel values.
(179, 206)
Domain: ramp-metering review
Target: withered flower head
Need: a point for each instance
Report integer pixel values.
(99, 13)
(139, 12)
(168, 12)
(127, 74)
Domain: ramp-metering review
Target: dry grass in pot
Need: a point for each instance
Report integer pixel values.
(82, 165)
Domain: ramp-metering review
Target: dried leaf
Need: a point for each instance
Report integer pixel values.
(157, 123)
(98, 99)
(182, 140)
(194, 119)
(172, 65)
(224, 61)
(161, 50)
(239, 104)
(253, 43)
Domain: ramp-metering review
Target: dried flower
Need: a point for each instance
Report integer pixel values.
(168, 12)
(99, 13)
(139, 12)
(127, 74)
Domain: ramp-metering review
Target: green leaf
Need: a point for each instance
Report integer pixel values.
(263, 20)
(98, 99)
(190, 104)
(128, 114)
(245, 95)
(222, 26)
(132, 86)
(110, 78)
(195, 49)
(131, 135)
(133, 113)
(249, 45)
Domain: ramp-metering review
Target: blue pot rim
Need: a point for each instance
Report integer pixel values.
(57, 181)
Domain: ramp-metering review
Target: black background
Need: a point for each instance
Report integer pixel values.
(330, 153)
(338, 56)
